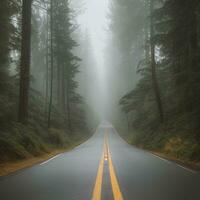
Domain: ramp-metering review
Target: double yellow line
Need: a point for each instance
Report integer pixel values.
(106, 156)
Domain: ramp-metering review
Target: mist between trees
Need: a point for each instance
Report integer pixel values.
(135, 63)
(159, 41)
(41, 108)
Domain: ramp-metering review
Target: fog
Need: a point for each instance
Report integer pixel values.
(110, 39)
(104, 83)
(66, 65)
(93, 23)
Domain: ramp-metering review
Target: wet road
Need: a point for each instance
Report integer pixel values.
(105, 167)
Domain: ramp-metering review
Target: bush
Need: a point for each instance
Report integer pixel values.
(182, 148)
(27, 137)
(11, 150)
(21, 142)
(58, 137)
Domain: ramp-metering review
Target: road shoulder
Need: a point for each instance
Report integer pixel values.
(194, 166)
(9, 168)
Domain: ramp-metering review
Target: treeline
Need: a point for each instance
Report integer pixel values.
(163, 108)
(40, 107)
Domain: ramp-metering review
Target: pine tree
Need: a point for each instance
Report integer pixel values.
(25, 61)
(8, 39)
(65, 64)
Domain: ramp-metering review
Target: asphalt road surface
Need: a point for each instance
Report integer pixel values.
(105, 167)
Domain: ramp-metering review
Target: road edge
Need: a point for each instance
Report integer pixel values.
(11, 168)
(185, 164)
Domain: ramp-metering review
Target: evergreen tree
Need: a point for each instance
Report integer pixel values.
(25, 61)
(8, 40)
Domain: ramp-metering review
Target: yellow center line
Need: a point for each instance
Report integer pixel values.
(98, 184)
(114, 182)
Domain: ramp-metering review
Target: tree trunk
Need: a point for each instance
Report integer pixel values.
(153, 65)
(63, 90)
(25, 62)
(147, 32)
(52, 68)
(68, 106)
(47, 69)
(59, 85)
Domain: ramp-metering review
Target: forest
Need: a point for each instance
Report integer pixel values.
(53, 93)
(99, 99)
(162, 107)
(40, 108)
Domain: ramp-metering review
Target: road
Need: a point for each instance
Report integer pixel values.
(105, 167)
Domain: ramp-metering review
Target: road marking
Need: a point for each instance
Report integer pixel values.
(187, 169)
(50, 159)
(106, 156)
(161, 158)
(114, 182)
(98, 184)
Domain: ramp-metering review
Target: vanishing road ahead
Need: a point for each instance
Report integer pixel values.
(105, 167)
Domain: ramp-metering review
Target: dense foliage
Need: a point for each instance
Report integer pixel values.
(175, 25)
(56, 112)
